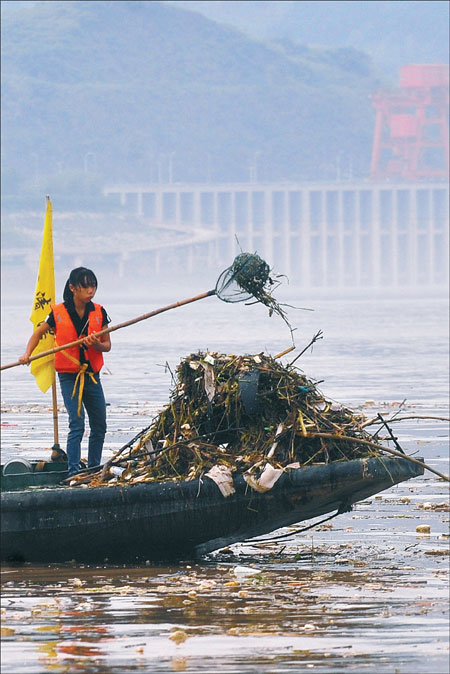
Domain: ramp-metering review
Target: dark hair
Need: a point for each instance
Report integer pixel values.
(79, 277)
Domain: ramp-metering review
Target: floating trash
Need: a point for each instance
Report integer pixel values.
(178, 636)
(245, 571)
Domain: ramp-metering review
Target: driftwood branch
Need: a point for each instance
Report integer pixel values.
(317, 336)
(415, 416)
(360, 441)
(392, 436)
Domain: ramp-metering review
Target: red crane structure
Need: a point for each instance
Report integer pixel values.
(411, 140)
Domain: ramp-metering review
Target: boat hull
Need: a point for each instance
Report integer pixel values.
(179, 520)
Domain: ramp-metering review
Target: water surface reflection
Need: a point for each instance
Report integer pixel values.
(365, 592)
(351, 595)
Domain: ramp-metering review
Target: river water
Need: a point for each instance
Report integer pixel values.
(364, 593)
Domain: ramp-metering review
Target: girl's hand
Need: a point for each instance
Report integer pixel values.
(100, 343)
(25, 359)
(91, 339)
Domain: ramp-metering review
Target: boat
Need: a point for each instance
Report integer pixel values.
(44, 521)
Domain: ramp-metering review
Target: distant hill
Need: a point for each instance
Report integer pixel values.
(392, 32)
(100, 92)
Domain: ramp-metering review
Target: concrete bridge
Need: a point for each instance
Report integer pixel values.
(340, 235)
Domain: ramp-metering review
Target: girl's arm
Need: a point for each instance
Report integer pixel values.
(33, 342)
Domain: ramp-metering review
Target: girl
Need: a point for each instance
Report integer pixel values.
(79, 367)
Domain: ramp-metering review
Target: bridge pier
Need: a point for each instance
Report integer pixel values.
(336, 235)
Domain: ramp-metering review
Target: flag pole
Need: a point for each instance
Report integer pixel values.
(57, 452)
(44, 370)
(55, 415)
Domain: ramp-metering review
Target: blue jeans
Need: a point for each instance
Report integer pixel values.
(93, 401)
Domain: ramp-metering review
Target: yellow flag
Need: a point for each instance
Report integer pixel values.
(44, 368)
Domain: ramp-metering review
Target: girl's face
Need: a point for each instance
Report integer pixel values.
(83, 295)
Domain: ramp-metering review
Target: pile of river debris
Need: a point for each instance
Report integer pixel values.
(237, 414)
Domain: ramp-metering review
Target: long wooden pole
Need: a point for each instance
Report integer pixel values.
(114, 327)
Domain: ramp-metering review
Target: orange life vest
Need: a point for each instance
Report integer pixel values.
(66, 333)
